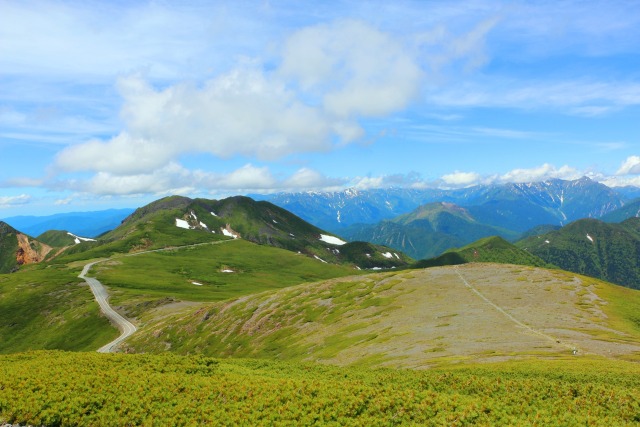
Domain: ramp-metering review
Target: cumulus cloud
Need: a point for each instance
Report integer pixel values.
(358, 69)
(631, 166)
(461, 179)
(329, 78)
(176, 179)
(409, 180)
(309, 179)
(541, 173)
(10, 201)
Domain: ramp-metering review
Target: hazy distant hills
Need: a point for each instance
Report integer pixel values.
(592, 247)
(86, 224)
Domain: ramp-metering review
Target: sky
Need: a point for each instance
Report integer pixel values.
(109, 104)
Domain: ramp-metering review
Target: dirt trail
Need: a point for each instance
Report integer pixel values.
(554, 340)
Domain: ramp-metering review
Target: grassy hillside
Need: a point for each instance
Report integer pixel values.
(179, 221)
(57, 238)
(607, 251)
(490, 249)
(58, 388)
(49, 308)
(153, 231)
(211, 272)
(414, 318)
(8, 248)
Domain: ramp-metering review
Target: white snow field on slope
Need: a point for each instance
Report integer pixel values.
(228, 233)
(78, 239)
(182, 223)
(332, 240)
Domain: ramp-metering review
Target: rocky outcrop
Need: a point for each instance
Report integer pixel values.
(30, 251)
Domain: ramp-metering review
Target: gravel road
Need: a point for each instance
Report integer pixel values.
(127, 328)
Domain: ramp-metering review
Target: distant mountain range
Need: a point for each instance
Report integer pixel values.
(516, 207)
(425, 223)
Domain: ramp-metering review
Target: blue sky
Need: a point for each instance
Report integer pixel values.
(113, 104)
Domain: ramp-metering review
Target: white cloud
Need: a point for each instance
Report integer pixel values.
(122, 155)
(631, 166)
(63, 202)
(410, 180)
(175, 179)
(346, 71)
(357, 69)
(541, 173)
(248, 177)
(461, 179)
(10, 201)
(620, 181)
(309, 179)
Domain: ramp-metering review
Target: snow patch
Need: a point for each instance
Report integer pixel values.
(226, 270)
(78, 239)
(228, 233)
(196, 283)
(320, 259)
(589, 237)
(377, 268)
(274, 221)
(546, 241)
(396, 255)
(368, 255)
(290, 234)
(387, 255)
(182, 223)
(332, 240)
(213, 213)
(203, 225)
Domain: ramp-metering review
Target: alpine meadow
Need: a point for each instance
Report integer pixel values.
(410, 213)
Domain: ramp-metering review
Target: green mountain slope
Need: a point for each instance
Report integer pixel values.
(178, 221)
(607, 251)
(57, 238)
(428, 231)
(490, 249)
(46, 307)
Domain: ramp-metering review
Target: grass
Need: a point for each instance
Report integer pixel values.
(48, 307)
(58, 388)
(171, 274)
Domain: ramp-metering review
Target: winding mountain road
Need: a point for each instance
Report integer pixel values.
(100, 293)
(127, 328)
